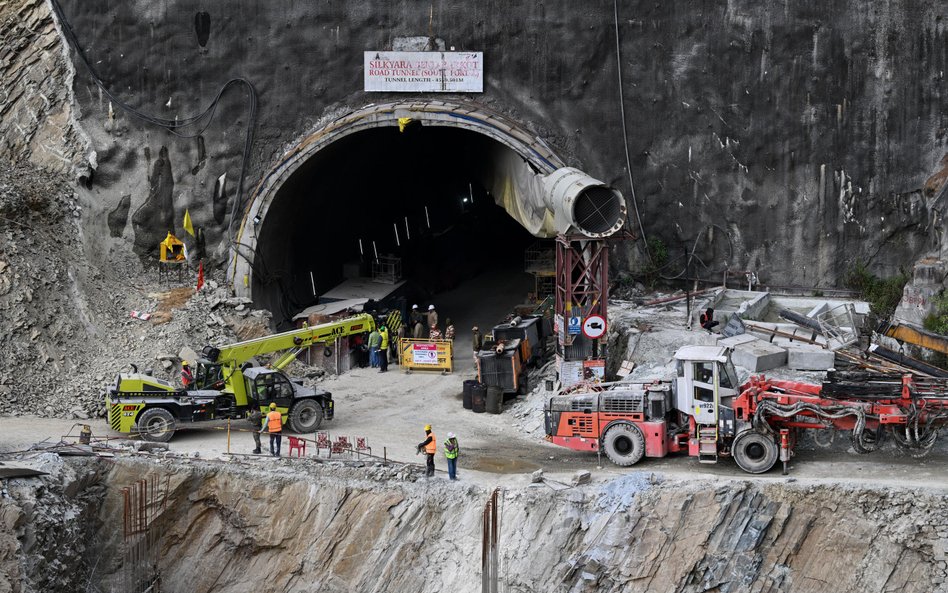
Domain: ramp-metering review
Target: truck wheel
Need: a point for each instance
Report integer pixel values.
(156, 425)
(306, 416)
(624, 444)
(755, 452)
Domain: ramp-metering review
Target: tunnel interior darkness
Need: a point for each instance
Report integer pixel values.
(418, 194)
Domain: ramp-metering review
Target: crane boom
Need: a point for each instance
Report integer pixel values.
(293, 341)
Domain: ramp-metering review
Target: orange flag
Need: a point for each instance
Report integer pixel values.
(200, 283)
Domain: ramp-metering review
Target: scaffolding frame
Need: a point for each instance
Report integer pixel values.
(539, 260)
(387, 269)
(582, 276)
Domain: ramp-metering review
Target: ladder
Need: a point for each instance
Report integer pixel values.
(707, 443)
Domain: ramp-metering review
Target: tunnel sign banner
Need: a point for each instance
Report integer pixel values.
(424, 71)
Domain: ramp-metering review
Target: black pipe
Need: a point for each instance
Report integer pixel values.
(901, 359)
(800, 320)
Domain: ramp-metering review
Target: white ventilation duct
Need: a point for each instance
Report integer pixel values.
(583, 204)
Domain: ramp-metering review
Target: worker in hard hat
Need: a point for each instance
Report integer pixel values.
(275, 428)
(432, 316)
(429, 447)
(416, 323)
(187, 377)
(451, 450)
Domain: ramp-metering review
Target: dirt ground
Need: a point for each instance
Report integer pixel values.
(390, 410)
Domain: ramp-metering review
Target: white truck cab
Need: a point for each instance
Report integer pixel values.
(706, 382)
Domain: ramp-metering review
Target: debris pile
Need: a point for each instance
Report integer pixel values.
(67, 316)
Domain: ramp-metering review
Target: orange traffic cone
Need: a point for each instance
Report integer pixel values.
(200, 283)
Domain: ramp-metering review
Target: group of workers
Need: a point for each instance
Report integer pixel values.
(429, 447)
(272, 422)
(378, 348)
(419, 321)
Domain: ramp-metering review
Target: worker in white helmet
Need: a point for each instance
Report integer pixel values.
(451, 450)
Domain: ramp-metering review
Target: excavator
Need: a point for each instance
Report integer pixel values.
(227, 385)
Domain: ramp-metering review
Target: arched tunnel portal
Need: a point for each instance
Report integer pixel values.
(453, 191)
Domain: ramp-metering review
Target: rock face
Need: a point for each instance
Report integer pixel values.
(920, 295)
(329, 528)
(47, 526)
(792, 141)
(36, 113)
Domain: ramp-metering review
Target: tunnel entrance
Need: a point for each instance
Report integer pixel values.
(452, 192)
(416, 196)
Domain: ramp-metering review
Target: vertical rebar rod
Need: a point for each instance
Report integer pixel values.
(485, 551)
(493, 542)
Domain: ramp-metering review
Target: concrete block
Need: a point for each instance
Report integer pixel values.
(821, 308)
(736, 340)
(757, 356)
(802, 357)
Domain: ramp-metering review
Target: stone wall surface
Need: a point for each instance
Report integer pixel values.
(36, 101)
(812, 133)
(299, 527)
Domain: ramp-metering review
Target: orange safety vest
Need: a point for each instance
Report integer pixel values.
(275, 421)
(432, 447)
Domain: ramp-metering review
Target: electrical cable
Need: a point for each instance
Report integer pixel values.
(173, 125)
(625, 132)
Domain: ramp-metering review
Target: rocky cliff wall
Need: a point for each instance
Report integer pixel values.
(294, 527)
(36, 108)
(812, 133)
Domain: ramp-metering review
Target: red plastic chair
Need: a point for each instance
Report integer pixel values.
(298, 444)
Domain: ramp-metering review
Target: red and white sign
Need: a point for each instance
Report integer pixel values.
(424, 353)
(594, 327)
(424, 71)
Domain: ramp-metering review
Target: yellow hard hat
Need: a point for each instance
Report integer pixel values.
(184, 363)
(273, 405)
(427, 427)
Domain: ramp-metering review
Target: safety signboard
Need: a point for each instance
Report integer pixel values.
(424, 353)
(594, 327)
(575, 326)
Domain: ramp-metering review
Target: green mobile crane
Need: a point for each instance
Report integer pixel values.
(227, 385)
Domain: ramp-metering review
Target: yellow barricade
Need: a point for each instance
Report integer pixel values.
(427, 355)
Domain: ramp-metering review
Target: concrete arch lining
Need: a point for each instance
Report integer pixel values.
(534, 163)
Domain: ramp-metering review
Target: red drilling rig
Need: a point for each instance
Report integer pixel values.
(705, 412)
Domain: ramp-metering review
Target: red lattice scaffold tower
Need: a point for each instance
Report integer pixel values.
(582, 290)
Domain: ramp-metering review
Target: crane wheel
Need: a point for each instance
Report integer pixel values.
(624, 444)
(306, 416)
(156, 425)
(755, 452)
